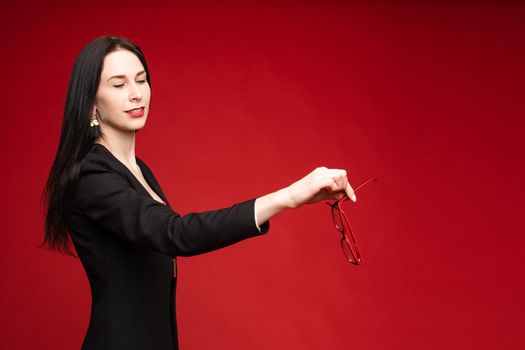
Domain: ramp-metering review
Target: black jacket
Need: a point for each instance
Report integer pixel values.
(127, 243)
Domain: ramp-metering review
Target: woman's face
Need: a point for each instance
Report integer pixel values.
(123, 87)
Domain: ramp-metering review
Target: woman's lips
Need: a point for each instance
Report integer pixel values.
(136, 113)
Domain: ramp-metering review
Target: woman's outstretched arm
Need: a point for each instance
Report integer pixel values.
(320, 184)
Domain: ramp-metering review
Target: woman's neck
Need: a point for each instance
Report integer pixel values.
(122, 146)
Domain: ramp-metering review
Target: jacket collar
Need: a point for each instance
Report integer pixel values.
(148, 175)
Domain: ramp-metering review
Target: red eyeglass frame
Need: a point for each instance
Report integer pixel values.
(348, 238)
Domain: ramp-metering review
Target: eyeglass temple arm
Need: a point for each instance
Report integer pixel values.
(355, 189)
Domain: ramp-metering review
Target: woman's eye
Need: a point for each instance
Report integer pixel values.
(121, 85)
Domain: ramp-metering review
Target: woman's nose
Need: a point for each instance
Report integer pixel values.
(135, 92)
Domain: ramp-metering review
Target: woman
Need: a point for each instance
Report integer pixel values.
(109, 203)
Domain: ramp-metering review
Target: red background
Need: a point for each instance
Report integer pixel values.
(249, 98)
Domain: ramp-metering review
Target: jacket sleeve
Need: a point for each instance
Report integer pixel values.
(108, 199)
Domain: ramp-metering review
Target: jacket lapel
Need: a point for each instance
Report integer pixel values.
(121, 168)
(150, 178)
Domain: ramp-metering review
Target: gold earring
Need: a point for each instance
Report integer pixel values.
(95, 127)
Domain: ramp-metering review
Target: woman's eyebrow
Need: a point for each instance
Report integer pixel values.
(123, 76)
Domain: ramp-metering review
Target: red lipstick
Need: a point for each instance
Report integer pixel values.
(136, 112)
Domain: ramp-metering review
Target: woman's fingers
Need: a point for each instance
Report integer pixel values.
(330, 183)
(340, 183)
(350, 192)
(321, 184)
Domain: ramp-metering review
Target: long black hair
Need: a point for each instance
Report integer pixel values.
(76, 138)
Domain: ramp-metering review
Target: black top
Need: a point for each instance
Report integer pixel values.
(126, 240)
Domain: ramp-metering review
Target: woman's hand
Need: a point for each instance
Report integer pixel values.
(320, 184)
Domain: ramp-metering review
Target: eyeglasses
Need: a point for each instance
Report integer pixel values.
(348, 241)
